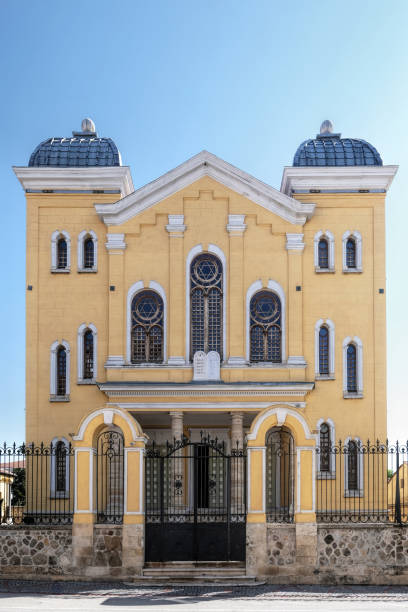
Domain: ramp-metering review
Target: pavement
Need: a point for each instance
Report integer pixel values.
(27, 596)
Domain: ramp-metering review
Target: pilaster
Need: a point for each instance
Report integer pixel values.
(116, 246)
(295, 246)
(236, 228)
(176, 322)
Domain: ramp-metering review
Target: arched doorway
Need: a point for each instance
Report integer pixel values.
(279, 475)
(110, 476)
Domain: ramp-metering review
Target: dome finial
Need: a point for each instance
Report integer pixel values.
(88, 126)
(326, 128)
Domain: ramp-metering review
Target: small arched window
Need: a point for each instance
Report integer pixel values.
(62, 254)
(351, 254)
(323, 254)
(324, 366)
(325, 447)
(206, 304)
(147, 328)
(352, 466)
(351, 368)
(89, 260)
(60, 467)
(265, 327)
(88, 355)
(61, 371)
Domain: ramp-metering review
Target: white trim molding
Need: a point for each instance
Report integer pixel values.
(53, 371)
(80, 353)
(359, 492)
(206, 164)
(175, 226)
(332, 438)
(359, 358)
(53, 489)
(330, 240)
(54, 255)
(108, 417)
(282, 412)
(215, 250)
(115, 242)
(236, 225)
(337, 178)
(359, 247)
(331, 329)
(294, 242)
(275, 287)
(80, 250)
(134, 289)
(115, 179)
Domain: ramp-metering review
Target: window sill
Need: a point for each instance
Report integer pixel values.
(90, 381)
(59, 496)
(356, 493)
(59, 398)
(325, 270)
(326, 475)
(87, 270)
(60, 270)
(352, 395)
(352, 271)
(325, 377)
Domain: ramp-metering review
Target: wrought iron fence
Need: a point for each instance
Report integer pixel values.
(362, 483)
(36, 484)
(110, 477)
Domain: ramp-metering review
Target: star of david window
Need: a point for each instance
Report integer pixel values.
(147, 328)
(265, 327)
(206, 304)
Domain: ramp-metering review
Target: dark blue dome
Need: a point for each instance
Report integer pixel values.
(329, 149)
(84, 149)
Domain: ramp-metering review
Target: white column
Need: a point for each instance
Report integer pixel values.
(176, 425)
(236, 463)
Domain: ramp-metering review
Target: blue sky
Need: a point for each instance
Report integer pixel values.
(246, 80)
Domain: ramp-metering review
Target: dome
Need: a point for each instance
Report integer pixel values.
(329, 149)
(84, 149)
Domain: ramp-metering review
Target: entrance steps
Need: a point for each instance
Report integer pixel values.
(194, 572)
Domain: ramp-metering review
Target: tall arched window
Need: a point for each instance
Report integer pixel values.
(352, 466)
(324, 366)
(265, 327)
(147, 328)
(61, 371)
(323, 251)
(88, 355)
(61, 453)
(351, 368)
(60, 467)
(351, 253)
(324, 447)
(206, 304)
(62, 254)
(89, 261)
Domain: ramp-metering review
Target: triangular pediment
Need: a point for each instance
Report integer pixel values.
(205, 164)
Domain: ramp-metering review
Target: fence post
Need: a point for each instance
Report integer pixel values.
(397, 492)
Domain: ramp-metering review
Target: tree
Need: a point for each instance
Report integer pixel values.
(18, 487)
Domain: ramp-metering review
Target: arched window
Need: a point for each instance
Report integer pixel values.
(61, 371)
(60, 467)
(351, 260)
(324, 447)
(351, 369)
(206, 305)
(323, 254)
(265, 327)
(62, 254)
(324, 350)
(147, 328)
(60, 454)
(88, 355)
(352, 466)
(88, 253)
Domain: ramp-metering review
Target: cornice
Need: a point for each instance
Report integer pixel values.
(206, 164)
(110, 178)
(337, 178)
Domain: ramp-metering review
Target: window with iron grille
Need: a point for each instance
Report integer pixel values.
(351, 369)
(351, 255)
(60, 467)
(265, 327)
(324, 447)
(89, 249)
(147, 329)
(352, 466)
(324, 350)
(88, 353)
(61, 371)
(62, 254)
(323, 253)
(206, 301)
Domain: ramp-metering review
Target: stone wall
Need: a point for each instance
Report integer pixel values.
(40, 551)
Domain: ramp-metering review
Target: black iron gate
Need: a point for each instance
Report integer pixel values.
(195, 502)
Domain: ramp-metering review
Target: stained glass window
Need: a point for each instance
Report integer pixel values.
(61, 371)
(324, 448)
(351, 253)
(147, 328)
(351, 368)
(206, 304)
(323, 252)
(88, 340)
(265, 327)
(89, 253)
(62, 254)
(324, 350)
